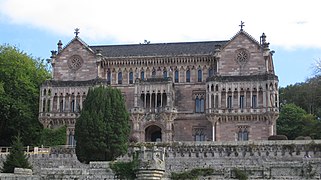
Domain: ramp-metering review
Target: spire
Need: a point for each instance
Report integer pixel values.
(263, 42)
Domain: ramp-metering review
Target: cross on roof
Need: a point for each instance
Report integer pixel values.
(242, 25)
(77, 31)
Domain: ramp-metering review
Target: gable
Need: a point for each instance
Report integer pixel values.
(76, 61)
(242, 55)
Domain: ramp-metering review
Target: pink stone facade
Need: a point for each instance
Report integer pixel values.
(193, 91)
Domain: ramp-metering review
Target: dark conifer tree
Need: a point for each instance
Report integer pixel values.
(102, 130)
(16, 158)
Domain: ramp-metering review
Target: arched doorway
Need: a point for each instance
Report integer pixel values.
(153, 133)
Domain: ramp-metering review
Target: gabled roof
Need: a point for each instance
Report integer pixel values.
(242, 32)
(76, 38)
(159, 49)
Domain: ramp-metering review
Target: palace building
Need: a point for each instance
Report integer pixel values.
(186, 91)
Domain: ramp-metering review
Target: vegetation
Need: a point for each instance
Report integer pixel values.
(294, 121)
(20, 80)
(192, 174)
(277, 137)
(126, 170)
(16, 158)
(53, 137)
(305, 95)
(240, 174)
(102, 130)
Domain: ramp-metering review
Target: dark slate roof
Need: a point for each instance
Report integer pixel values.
(259, 77)
(159, 49)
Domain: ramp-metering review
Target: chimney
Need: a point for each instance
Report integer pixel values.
(59, 46)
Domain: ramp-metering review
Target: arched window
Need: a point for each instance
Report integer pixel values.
(164, 74)
(202, 103)
(153, 73)
(229, 102)
(188, 76)
(71, 139)
(176, 76)
(243, 135)
(108, 77)
(197, 105)
(199, 75)
(131, 78)
(44, 105)
(199, 134)
(120, 78)
(142, 75)
(61, 106)
(210, 72)
(72, 105)
(44, 92)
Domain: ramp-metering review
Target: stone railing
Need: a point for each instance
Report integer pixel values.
(28, 150)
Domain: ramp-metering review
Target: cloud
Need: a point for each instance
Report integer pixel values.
(287, 23)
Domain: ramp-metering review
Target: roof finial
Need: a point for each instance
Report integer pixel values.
(242, 25)
(77, 31)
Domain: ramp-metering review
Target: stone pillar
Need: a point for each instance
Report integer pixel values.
(209, 102)
(51, 104)
(264, 101)
(58, 103)
(145, 96)
(152, 164)
(80, 102)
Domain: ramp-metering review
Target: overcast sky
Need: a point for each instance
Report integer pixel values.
(292, 27)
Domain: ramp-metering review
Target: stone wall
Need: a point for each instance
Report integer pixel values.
(259, 159)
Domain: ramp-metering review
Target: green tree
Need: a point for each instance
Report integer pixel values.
(16, 158)
(20, 80)
(53, 137)
(102, 130)
(294, 121)
(307, 95)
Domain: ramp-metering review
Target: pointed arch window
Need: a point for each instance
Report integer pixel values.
(120, 78)
(108, 77)
(176, 76)
(199, 105)
(199, 75)
(210, 72)
(153, 73)
(164, 74)
(199, 133)
(188, 76)
(131, 77)
(243, 135)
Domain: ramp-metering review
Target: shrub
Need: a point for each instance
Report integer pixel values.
(125, 170)
(239, 174)
(277, 137)
(303, 138)
(192, 174)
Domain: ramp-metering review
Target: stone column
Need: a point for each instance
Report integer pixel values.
(209, 102)
(239, 100)
(152, 164)
(145, 101)
(58, 103)
(51, 103)
(80, 102)
(213, 131)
